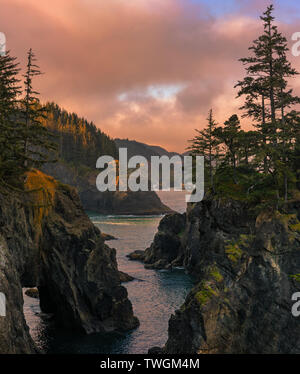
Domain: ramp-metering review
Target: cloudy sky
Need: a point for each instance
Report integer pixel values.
(142, 69)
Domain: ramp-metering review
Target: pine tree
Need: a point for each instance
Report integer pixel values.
(206, 144)
(229, 135)
(268, 100)
(11, 156)
(37, 139)
(247, 146)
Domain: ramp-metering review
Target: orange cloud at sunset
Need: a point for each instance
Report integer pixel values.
(143, 69)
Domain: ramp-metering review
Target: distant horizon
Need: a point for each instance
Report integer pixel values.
(146, 70)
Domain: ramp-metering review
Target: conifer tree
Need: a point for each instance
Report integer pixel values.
(11, 158)
(247, 146)
(206, 144)
(37, 138)
(229, 135)
(268, 99)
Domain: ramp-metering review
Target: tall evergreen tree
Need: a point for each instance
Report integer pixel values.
(229, 135)
(10, 139)
(37, 138)
(206, 144)
(247, 146)
(267, 98)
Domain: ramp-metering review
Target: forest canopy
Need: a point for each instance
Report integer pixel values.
(79, 142)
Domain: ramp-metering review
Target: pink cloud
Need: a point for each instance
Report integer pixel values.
(93, 51)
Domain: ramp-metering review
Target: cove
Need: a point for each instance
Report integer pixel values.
(155, 295)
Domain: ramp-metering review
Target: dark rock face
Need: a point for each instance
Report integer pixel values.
(155, 351)
(49, 242)
(14, 333)
(246, 268)
(107, 237)
(166, 250)
(137, 255)
(32, 292)
(124, 277)
(138, 203)
(91, 297)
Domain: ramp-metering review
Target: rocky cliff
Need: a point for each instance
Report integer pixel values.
(46, 240)
(139, 203)
(166, 250)
(246, 267)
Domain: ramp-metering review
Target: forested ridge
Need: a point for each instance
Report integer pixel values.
(79, 142)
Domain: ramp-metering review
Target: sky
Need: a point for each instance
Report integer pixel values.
(148, 70)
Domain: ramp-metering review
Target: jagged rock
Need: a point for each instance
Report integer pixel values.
(245, 267)
(107, 237)
(166, 250)
(124, 277)
(137, 255)
(49, 242)
(159, 264)
(14, 333)
(166, 247)
(32, 292)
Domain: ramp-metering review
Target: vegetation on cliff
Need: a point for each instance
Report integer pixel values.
(241, 243)
(24, 141)
(246, 268)
(261, 165)
(32, 134)
(47, 241)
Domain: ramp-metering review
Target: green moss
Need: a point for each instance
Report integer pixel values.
(295, 227)
(286, 218)
(205, 294)
(296, 277)
(291, 224)
(215, 273)
(233, 252)
(245, 240)
(234, 249)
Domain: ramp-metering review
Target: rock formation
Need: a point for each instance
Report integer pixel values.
(246, 266)
(46, 240)
(166, 250)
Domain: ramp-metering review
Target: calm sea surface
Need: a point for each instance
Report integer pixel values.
(155, 295)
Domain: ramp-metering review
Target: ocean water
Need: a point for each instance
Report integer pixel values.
(155, 295)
